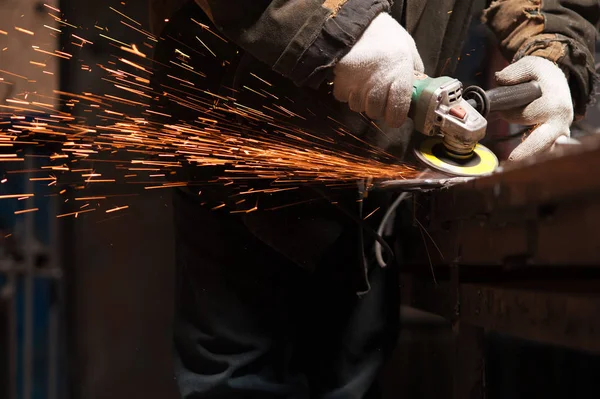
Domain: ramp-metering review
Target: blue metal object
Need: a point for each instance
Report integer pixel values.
(30, 272)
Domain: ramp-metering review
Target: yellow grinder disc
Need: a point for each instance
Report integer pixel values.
(433, 153)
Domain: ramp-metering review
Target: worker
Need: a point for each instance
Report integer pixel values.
(287, 303)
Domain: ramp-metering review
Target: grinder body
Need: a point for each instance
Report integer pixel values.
(438, 108)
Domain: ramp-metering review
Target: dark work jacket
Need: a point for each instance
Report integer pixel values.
(306, 231)
(302, 39)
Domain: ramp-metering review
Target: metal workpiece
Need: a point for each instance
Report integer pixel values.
(515, 252)
(424, 184)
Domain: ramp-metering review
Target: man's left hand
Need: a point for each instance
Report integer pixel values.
(551, 114)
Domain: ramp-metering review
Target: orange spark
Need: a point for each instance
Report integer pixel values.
(10, 100)
(74, 213)
(24, 31)
(100, 181)
(123, 15)
(166, 185)
(89, 198)
(133, 50)
(81, 38)
(13, 74)
(10, 196)
(52, 54)
(52, 8)
(133, 64)
(262, 80)
(63, 53)
(207, 28)
(52, 28)
(206, 47)
(26, 211)
(114, 40)
(371, 214)
(117, 208)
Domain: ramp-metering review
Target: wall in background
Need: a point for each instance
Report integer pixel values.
(120, 266)
(30, 274)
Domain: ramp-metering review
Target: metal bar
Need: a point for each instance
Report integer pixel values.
(49, 273)
(53, 348)
(54, 335)
(6, 295)
(28, 349)
(4, 367)
(12, 340)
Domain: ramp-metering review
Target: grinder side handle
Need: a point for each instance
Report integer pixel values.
(509, 97)
(502, 98)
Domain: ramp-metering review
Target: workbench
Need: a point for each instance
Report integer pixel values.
(517, 252)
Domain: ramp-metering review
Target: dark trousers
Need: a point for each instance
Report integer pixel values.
(250, 324)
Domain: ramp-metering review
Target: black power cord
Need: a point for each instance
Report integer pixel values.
(381, 243)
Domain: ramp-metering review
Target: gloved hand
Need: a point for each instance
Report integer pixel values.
(552, 112)
(376, 76)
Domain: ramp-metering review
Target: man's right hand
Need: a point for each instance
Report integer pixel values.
(376, 76)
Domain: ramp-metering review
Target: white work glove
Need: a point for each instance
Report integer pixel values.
(376, 76)
(551, 114)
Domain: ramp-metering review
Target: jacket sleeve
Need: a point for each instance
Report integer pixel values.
(300, 39)
(563, 31)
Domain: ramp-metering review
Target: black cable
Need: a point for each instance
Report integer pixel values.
(363, 226)
(384, 222)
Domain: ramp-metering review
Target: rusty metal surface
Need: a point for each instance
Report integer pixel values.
(543, 213)
(566, 175)
(540, 313)
(564, 314)
(432, 182)
(561, 234)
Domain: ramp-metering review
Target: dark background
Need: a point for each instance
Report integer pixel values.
(119, 287)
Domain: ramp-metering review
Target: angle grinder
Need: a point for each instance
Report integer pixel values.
(456, 121)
